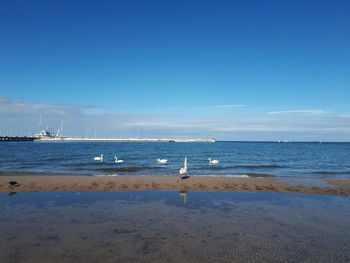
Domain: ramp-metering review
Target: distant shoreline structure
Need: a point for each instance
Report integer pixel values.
(67, 139)
(46, 136)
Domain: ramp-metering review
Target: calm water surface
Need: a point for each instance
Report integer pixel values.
(165, 226)
(236, 159)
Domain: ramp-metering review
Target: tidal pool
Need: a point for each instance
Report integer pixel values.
(168, 226)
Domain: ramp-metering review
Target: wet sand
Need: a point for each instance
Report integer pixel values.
(194, 183)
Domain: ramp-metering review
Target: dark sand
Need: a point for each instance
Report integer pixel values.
(194, 183)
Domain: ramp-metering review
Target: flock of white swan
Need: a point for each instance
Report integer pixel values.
(182, 171)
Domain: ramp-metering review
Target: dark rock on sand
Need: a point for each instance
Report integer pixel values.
(14, 183)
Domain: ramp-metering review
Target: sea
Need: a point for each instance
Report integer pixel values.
(236, 159)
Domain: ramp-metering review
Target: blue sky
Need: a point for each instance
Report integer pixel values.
(232, 70)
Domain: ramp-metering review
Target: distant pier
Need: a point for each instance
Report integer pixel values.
(17, 138)
(67, 139)
(46, 136)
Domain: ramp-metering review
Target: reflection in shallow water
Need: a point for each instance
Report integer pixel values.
(161, 226)
(183, 194)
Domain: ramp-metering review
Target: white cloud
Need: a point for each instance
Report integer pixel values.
(84, 120)
(8, 106)
(316, 112)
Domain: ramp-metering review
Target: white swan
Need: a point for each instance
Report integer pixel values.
(117, 161)
(162, 161)
(213, 161)
(183, 170)
(99, 158)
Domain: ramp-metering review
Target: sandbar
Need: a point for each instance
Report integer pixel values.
(194, 183)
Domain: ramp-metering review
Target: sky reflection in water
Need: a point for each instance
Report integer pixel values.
(161, 226)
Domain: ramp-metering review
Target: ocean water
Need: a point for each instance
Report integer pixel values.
(168, 226)
(300, 160)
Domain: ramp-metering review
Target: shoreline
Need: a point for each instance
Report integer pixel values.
(322, 186)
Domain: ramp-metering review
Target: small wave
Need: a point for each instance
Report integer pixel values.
(33, 163)
(235, 175)
(123, 169)
(25, 166)
(106, 175)
(258, 175)
(56, 159)
(213, 168)
(224, 175)
(267, 166)
(218, 167)
(80, 169)
(330, 172)
(90, 164)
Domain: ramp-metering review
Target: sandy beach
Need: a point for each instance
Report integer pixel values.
(195, 183)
